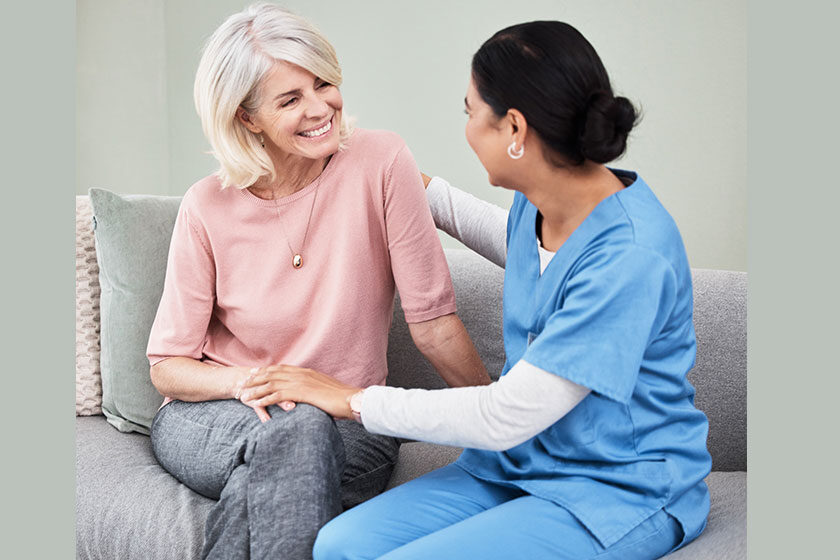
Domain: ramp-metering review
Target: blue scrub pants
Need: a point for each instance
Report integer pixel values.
(449, 513)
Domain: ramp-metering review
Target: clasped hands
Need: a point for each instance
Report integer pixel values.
(285, 385)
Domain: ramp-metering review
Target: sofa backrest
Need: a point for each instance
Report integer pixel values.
(720, 373)
(719, 376)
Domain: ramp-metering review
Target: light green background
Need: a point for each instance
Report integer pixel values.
(406, 67)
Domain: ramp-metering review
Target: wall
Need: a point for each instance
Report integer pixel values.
(122, 119)
(406, 66)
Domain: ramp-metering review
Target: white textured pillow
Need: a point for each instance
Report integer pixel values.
(88, 377)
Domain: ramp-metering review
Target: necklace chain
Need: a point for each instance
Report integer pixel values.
(297, 259)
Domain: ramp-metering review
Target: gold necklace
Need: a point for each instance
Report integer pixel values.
(297, 258)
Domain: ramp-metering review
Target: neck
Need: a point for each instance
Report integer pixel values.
(293, 174)
(566, 196)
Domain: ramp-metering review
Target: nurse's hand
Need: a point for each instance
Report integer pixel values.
(426, 180)
(260, 411)
(275, 384)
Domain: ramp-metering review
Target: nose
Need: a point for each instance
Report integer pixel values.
(317, 107)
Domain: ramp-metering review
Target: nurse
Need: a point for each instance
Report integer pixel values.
(589, 444)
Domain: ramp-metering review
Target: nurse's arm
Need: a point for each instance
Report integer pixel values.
(496, 417)
(476, 223)
(445, 343)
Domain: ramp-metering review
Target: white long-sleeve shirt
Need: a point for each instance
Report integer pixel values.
(518, 406)
(478, 224)
(497, 417)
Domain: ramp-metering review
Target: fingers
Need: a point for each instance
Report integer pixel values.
(277, 398)
(426, 179)
(242, 385)
(271, 392)
(264, 386)
(259, 376)
(256, 392)
(287, 405)
(262, 413)
(249, 397)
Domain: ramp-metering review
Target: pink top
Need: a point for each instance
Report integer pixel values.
(231, 296)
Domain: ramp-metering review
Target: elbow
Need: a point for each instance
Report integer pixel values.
(508, 426)
(158, 377)
(427, 335)
(424, 344)
(436, 333)
(154, 374)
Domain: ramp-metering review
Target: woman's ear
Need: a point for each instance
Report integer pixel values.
(518, 126)
(245, 119)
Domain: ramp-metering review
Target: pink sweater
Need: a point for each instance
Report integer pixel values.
(232, 297)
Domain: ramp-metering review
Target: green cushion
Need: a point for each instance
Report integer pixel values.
(132, 243)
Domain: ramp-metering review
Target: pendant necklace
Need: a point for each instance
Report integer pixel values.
(297, 258)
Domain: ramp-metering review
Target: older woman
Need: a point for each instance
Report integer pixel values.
(289, 253)
(589, 445)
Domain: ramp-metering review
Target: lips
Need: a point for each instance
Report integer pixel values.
(317, 132)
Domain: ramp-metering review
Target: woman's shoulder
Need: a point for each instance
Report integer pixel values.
(206, 202)
(207, 193)
(379, 144)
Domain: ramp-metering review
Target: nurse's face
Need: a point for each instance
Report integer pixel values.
(488, 136)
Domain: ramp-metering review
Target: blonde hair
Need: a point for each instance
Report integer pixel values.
(235, 60)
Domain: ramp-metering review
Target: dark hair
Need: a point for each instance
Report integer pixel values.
(550, 73)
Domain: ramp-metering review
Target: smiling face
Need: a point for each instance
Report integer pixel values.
(488, 136)
(299, 114)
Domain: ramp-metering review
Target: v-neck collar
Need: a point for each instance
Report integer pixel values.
(594, 223)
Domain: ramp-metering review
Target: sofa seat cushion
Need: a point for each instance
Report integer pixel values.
(128, 507)
(725, 536)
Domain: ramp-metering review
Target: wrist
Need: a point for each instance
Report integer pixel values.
(240, 376)
(353, 400)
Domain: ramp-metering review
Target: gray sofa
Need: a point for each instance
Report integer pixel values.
(127, 507)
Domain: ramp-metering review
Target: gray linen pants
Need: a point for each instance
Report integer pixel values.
(276, 483)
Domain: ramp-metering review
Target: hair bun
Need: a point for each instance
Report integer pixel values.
(607, 122)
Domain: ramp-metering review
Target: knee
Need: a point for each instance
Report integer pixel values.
(307, 416)
(338, 539)
(305, 421)
(304, 429)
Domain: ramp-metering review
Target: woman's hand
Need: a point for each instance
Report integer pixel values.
(275, 384)
(262, 413)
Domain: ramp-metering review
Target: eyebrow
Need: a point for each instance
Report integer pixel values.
(292, 92)
(298, 91)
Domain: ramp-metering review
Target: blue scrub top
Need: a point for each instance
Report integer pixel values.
(612, 312)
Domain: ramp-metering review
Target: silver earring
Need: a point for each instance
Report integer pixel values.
(515, 154)
(262, 141)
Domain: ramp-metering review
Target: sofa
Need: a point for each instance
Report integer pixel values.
(128, 507)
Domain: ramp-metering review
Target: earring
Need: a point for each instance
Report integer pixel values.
(262, 141)
(515, 154)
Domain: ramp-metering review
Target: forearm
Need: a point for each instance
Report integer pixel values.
(497, 417)
(187, 379)
(476, 223)
(445, 343)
